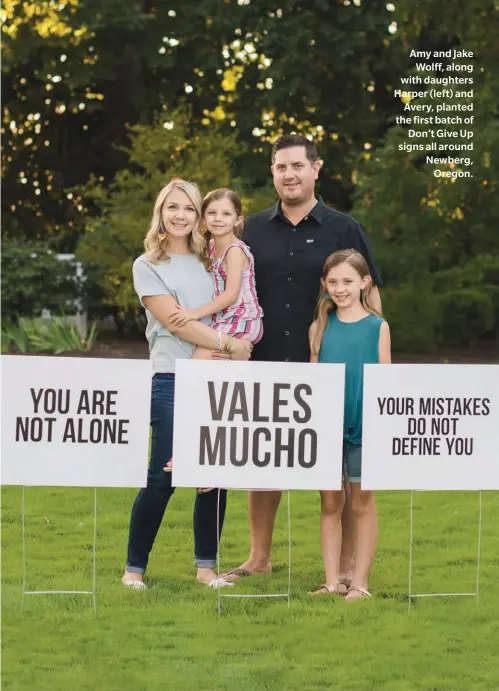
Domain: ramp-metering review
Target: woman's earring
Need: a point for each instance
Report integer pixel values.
(327, 296)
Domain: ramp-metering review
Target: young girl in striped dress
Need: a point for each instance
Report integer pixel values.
(235, 308)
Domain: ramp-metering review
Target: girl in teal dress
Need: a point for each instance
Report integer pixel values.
(347, 329)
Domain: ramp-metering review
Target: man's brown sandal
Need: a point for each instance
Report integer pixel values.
(239, 573)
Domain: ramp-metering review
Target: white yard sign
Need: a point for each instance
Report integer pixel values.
(79, 422)
(431, 427)
(260, 425)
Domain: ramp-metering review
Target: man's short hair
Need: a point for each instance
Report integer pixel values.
(289, 140)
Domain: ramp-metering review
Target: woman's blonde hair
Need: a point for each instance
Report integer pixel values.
(156, 240)
(325, 305)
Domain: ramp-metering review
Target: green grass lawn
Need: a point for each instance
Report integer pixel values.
(170, 637)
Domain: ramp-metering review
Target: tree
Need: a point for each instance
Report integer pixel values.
(317, 67)
(78, 72)
(75, 74)
(433, 236)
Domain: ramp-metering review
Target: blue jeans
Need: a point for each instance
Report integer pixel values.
(151, 501)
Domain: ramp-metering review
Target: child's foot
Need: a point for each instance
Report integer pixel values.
(357, 592)
(325, 589)
(345, 582)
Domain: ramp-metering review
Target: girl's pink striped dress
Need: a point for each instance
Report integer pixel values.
(243, 319)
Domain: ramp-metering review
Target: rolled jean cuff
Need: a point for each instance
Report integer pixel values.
(204, 563)
(134, 569)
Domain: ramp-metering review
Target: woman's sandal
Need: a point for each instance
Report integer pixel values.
(220, 583)
(134, 585)
(358, 593)
(326, 590)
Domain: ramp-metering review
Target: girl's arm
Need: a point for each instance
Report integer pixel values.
(384, 345)
(314, 357)
(236, 263)
(162, 306)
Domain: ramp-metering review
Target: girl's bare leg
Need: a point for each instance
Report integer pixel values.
(331, 508)
(366, 538)
(347, 558)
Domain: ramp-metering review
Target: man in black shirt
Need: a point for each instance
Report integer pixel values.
(290, 242)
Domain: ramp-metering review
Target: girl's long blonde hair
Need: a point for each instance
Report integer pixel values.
(325, 305)
(156, 240)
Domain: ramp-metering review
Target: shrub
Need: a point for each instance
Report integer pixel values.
(413, 315)
(34, 279)
(469, 300)
(467, 316)
(433, 237)
(55, 335)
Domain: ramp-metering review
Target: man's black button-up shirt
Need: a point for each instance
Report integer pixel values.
(288, 268)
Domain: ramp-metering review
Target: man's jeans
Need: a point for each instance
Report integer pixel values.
(151, 502)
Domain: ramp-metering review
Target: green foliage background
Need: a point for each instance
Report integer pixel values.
(33, 279)
(104, 100)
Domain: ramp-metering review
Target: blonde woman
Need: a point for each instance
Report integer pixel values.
(173, 271)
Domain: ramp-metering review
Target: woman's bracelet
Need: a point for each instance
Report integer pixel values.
(219, 340)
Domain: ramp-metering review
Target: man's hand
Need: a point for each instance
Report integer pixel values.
(181, 316)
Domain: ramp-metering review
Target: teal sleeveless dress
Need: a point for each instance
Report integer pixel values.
(355, 344)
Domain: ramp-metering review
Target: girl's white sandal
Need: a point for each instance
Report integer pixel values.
(362, 593)
(325, 590)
